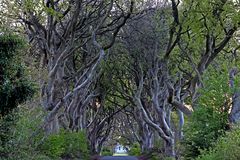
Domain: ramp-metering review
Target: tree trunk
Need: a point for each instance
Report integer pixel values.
(181, 123)
(93, 145)
(147, 139)
(170, 148)
(52, 126)
(234, 116)
(235, 111)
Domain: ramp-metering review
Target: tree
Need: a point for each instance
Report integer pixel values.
(167, 63)
(15, 88)
(166, 49)
(72, 37)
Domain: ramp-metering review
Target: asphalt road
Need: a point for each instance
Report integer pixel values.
(118, 158)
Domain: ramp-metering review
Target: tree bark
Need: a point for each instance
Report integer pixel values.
(169, 147)
(234, 116)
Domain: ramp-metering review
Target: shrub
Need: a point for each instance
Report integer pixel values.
(204, 128)
(15, 87)
(210, 118)
(6, 124)
(154, 154)
(135, 150)
(226, 147)
(106, 151)
(66, 144)
(21, 142)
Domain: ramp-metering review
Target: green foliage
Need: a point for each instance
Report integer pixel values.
(6, 124)
(66, 144)
(54, 145)
(135, 150)
(226, 147)
(158, 143)
(124, 141)
(209, 120)
(199, 17)
(22, 135)
(106, 151)
(156, 154)
(15, 87)
(23, 139)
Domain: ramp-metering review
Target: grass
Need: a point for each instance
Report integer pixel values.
(120, 154)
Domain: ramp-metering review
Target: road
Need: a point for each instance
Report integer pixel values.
(118, 158)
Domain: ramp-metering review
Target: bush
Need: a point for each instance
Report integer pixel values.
(6, 124)
(106, 151)
(226, 148)
(15, 88)
(135, 150)
(66, 145)
(210, 120)
(21, 143)
(204, 128)
(155, 154)
(23, 139)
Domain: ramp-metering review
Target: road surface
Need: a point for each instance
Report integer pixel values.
(118, 158)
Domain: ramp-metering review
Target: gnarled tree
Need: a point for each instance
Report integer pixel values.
(72, 37)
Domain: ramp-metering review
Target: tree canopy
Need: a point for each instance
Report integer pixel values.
(129, 71)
